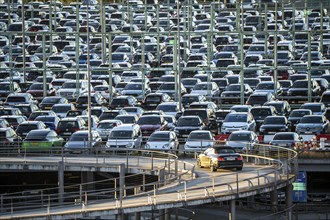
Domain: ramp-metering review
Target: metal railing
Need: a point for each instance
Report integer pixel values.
(153, 193)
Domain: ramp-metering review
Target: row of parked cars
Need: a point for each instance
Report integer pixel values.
(138, 97)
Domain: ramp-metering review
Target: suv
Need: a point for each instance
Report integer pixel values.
(67, 126)
(70, 91)
(125, 136)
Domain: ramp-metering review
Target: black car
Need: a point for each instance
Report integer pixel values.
(152, 100)
(48, 102)
(232, 93)
(67, 126)
(295, 116)
(274, 124)
(185, 124)
(96, 99)
(299, 88)
(261, 112)
(220, 157)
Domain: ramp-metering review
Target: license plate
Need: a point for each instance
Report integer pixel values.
(33, 144)
(184, 135)
(48, 108)
(230, 158)
(66, 133)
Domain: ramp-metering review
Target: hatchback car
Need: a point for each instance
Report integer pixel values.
(199, 140)
(79, 142)
(220, 157)
(67, 126)
(162, 140)
(287, 139)
(242, 140)
(43, 139)
(236, 121)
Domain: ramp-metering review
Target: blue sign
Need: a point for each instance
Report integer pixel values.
(299, 188)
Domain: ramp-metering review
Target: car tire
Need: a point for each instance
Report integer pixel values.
(212, 167)
(239, 168)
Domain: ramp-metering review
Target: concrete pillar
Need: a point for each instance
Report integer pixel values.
(288, 200)
(88, 177)
(274, 200)
(167, 214)
(121, 182)
(161, 177)
(161, 214)
(232, 213)
(60, 175)
(137, 216)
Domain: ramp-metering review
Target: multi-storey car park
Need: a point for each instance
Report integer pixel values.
(244, 53)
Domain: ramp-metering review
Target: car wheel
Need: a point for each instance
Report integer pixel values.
(212, 167)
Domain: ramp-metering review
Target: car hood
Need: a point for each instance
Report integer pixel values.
(234, 124)
(157, 144)
(149, 127)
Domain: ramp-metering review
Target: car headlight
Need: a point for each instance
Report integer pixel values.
(147, 146)
(165, 145)
(129, 145)
(66, 145)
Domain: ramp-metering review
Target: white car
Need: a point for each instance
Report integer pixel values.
(236, 121)
(104, 127)
(125, 136)
(162, 140)
(199, 141)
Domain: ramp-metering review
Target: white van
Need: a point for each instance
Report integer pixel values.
(125, 136)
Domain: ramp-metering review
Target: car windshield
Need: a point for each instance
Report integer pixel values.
(79, 137)
(187, 122)
(167, 108)
(149, 121)
(235, 118)
(159, 137)
(59, 109)
(273, 120)
(283, 137)
(314, 108)
(225, 151)
(26, 128)
(106, 125)
(239, 137)
(259, 112)
(299, 113)
(311, 120)
(198, 136)
(120, 134)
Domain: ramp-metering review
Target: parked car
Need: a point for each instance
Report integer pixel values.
(79, 142)
(274, 124)
(187, 124)
(236, 121)
(290, 140)
(163, 140)
(242, 140)
(41, 140)
(9, 138)
(313, 124)
(23, 128)
(199, 140)
(125, 136)
(105, 126)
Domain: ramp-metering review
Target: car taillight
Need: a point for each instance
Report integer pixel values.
(221, 159)
(240, 158)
